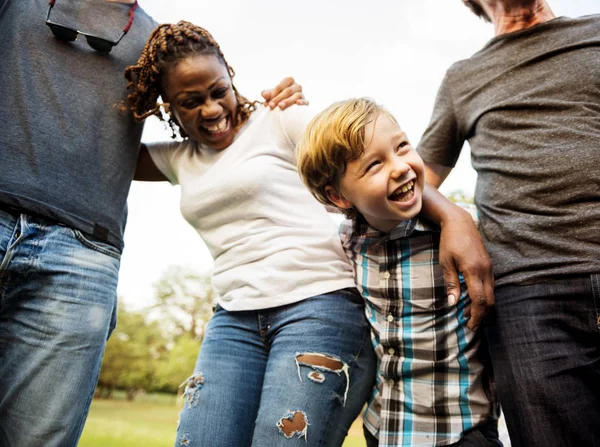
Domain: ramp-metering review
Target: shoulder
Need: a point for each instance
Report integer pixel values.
(171, 146)
(591, 22)
(293, 120)
(347, 232)
(172, 151)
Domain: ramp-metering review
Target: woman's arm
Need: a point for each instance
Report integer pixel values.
(146, 170)
(461, 251)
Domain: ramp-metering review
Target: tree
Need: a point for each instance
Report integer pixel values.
(184, 300)
(156, 349)
(130, 354)
(176, 364)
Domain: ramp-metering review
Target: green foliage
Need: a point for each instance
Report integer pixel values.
(176, 365)
(461, 197)
(156, 349)
(184, 300)
(130, 354)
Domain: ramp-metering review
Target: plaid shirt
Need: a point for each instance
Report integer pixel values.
(430, 385)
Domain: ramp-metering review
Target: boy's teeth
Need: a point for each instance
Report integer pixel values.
(403, 189)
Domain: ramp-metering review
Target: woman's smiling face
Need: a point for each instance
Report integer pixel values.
(200, 94)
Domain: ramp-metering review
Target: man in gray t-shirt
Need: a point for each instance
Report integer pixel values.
(528, 103)
(67, 158)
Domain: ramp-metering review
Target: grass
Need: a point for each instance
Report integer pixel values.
(149, 421)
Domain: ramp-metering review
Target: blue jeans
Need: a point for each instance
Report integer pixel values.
(57, 308)
(295, 375)
(545, 344)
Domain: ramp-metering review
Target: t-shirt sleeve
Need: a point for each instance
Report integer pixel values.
(164, 155)
(293, 121)
(442, 141)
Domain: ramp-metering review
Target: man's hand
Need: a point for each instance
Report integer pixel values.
(462, 251)
(287, 93)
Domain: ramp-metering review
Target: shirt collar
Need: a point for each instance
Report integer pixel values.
(403, 229)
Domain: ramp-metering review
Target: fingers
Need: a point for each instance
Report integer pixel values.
(286, 97)
(480, 286)
(267, 94)
(452, 282)
(271, 94)
(477, 309)
(481, 291)
(296, 98)
(287, 93)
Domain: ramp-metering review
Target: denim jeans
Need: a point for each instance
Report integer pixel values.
(295, 375)
(57, 308)
(545, 344)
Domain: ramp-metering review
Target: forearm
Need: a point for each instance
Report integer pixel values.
(439, 209)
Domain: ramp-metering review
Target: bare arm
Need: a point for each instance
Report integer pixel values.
(146, 170)
(461, 251)
(435, 174)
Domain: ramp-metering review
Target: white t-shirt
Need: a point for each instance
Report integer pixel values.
(272, 242)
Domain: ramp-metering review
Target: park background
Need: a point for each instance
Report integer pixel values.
(394, 51)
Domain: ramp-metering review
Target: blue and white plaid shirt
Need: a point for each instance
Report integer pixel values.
(431, 385)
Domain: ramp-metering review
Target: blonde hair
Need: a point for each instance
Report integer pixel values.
(332, 139)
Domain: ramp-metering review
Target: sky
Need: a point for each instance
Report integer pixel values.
(394, 51)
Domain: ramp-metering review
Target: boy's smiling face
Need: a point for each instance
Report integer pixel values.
(385, 184)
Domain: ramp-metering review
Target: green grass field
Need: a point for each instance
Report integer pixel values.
(150, 422)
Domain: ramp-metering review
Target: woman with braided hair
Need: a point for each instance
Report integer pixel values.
(286, 357)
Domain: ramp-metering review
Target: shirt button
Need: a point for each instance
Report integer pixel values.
(390, 318)
(391, 351)
(391, 382)
(385, 275)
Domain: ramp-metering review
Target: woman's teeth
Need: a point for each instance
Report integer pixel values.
(401, 193)
(219, 127)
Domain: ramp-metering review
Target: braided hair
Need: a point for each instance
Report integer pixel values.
(168, 44)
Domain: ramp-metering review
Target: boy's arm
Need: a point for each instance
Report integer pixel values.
(461, 251)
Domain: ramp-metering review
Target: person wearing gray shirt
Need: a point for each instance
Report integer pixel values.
(68, 156)
(528, 103)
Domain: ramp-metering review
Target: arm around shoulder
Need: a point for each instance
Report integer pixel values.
(461, 251)
(146, 169)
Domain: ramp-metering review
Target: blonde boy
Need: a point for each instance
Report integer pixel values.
(431, 388)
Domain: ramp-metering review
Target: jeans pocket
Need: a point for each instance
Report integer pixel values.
(352, 294)
(96, 245)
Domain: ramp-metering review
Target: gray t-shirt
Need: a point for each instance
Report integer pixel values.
(529, 105)
(66, 151)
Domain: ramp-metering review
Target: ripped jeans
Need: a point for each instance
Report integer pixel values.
(295, 375)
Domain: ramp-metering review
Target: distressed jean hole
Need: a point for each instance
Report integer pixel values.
(293, 423)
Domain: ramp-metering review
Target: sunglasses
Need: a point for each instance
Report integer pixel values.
(65, 33)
